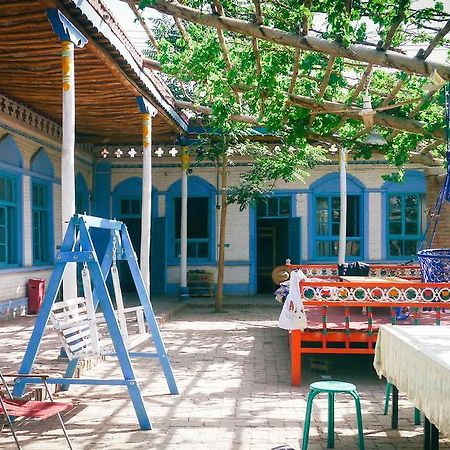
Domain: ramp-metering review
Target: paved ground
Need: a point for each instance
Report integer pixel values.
(233, 375)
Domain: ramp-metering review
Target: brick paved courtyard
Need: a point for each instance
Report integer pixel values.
(233, 373)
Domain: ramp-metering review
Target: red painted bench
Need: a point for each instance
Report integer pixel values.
(334, 309)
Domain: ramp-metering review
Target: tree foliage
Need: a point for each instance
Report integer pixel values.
(245, 89)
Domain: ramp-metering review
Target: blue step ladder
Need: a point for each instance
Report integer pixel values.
(77, 247)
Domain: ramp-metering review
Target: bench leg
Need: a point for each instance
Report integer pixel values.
(296, 357)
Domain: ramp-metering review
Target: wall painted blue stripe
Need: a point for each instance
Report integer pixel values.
(228, 289)
(14, 304)
(101, 204)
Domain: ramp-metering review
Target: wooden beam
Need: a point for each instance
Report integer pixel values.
(208, 111)
(384, 120)
(356, 52)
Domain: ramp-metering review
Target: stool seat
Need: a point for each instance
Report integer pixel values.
(333, 386)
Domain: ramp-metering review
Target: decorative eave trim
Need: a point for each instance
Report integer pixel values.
(92, 14)
(65, 29)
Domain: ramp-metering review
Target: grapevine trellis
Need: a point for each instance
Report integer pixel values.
(402, 109)
(260, 71)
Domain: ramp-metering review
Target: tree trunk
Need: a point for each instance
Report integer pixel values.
(223, 221)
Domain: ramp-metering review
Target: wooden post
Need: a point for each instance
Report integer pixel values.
(68, 159)
(343, 204)
(146, 211)
(184, 292)
(70, 38)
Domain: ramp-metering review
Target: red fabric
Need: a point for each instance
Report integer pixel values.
(31, 408)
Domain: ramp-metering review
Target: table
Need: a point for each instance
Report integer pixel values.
(416, 360)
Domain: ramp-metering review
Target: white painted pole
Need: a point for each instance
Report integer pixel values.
(343, 207)
(68, 159)
(146, 199)
(184, 292)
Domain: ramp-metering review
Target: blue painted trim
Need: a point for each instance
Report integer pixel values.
(197, 187)
(414, 182)
(82, 195)
(25, 269)
(327, 186)
(102, 26)
(18, 203)
(145, 106)
(46, 144)
(243, 289)
(64, 28)
(10, 153)
(13, 304)
(50, 231)
(237, 289)
(237, 263)
(129, 189)
(252, 249)
(40, 164)
(19, 171)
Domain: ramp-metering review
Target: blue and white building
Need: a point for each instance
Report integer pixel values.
(300, 221)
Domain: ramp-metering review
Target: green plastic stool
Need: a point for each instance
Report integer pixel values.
(332, 388)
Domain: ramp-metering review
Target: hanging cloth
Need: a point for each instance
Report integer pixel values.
(293, 315)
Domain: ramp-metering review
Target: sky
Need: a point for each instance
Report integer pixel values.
(123, 14)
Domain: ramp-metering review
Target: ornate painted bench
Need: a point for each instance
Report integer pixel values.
(344, 316)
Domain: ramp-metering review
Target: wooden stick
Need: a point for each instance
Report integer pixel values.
(439, 36)
(144, 25)
(324, 84)
(225, 53)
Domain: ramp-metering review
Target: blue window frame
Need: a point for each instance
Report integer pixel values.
(273, 207)
(201, 222)
(41, 223)
(8, 221)
(404, 225)
(327, 218)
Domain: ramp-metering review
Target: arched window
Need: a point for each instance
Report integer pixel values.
(201, 220)
(325, 218)
(10, 194)
(42, 173)
(404, 215)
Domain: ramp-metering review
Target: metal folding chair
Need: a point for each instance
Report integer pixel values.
(11, 407)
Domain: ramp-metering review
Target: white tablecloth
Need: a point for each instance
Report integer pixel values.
(416, 359)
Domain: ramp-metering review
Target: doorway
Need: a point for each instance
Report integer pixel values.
(272, 250)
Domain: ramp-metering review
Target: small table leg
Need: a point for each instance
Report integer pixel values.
(394, 420)
(430, 436)
(426, 434)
